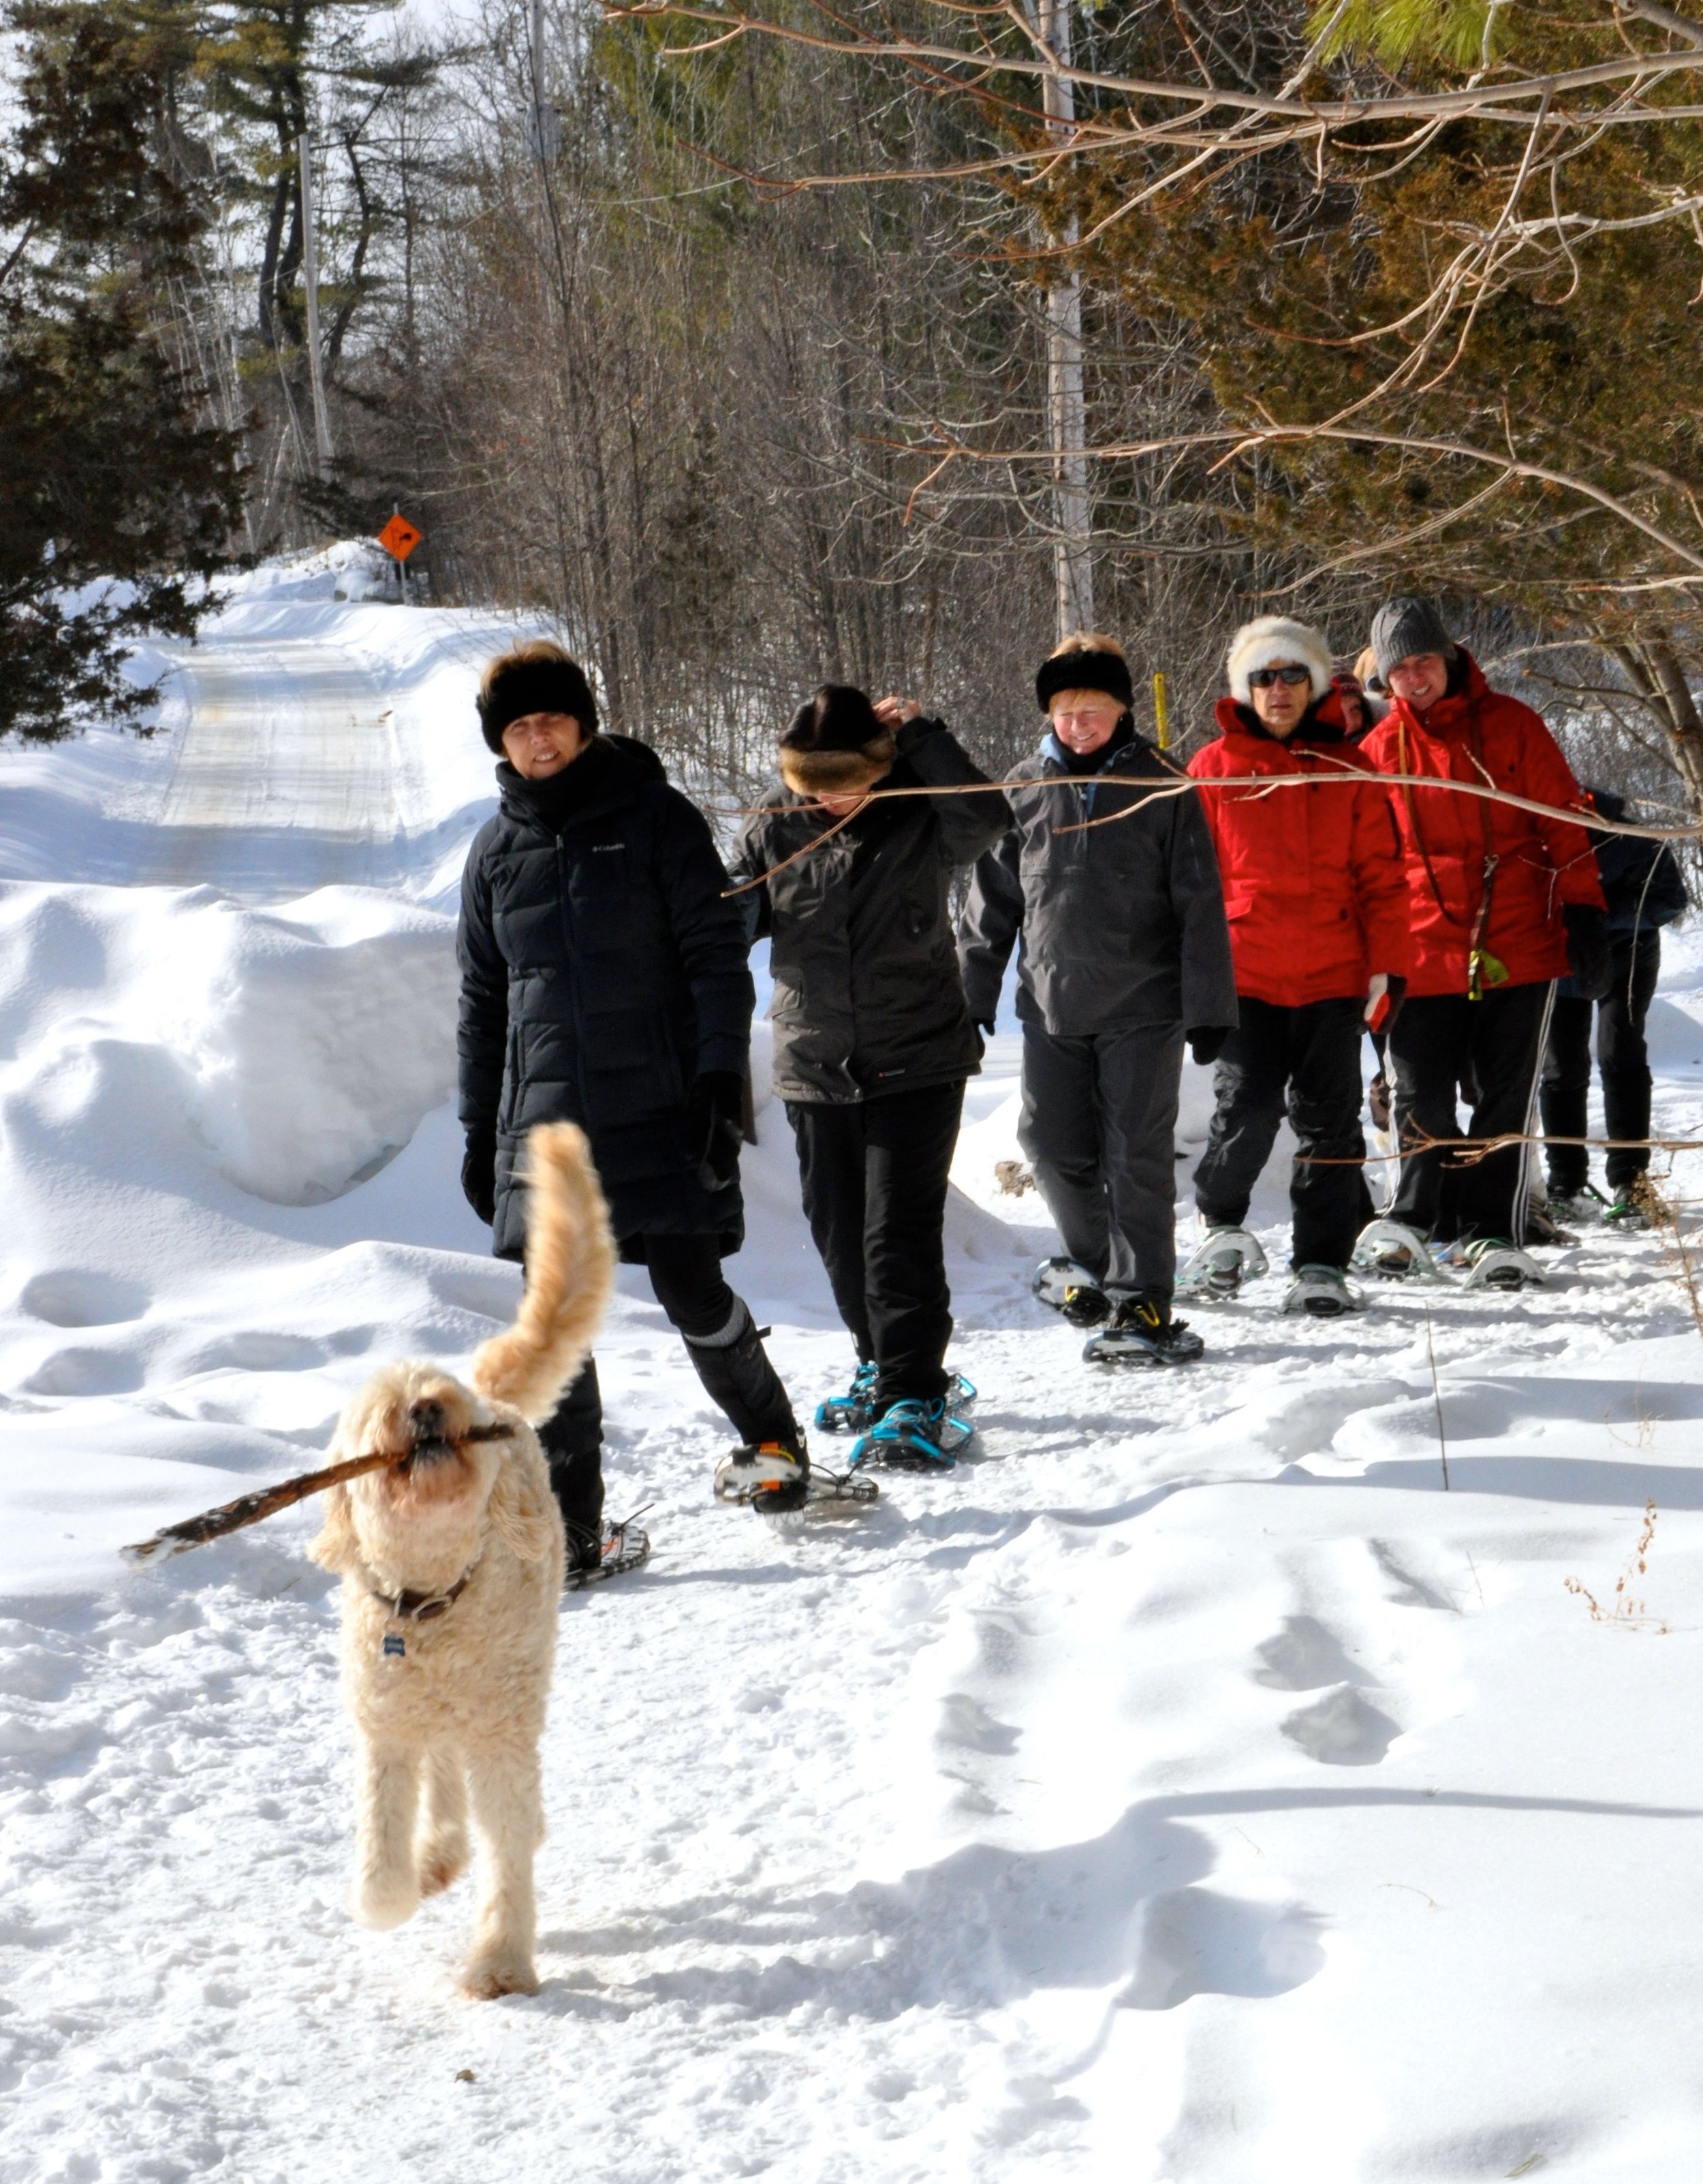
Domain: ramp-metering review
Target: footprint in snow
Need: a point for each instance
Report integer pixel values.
(86, 1373)
(1342, 1730)
(68, 1296)
(1303, 1657)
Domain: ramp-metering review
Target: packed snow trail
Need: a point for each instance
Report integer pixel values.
(286, 764)
(1185, 1787)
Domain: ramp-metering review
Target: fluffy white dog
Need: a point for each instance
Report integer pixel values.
(451, 1561)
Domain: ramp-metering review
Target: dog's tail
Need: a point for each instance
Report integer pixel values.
(570, 1271)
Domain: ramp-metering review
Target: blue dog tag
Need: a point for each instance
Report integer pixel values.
(393, 1647)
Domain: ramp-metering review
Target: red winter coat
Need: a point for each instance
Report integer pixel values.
(1541, 864)
(1313, 881)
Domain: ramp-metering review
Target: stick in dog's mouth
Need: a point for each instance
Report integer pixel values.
(250, 1508)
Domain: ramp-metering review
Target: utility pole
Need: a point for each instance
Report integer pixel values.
(310, 280)
(543, 123)
(1073, 562)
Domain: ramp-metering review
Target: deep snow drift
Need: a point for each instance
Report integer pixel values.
(1185, 1788)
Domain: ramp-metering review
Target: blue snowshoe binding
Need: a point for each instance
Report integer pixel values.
(918, 1435)
(855, 1410)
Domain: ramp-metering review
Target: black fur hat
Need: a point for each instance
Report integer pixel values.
(835, 744)
(1084, 663)
(533, 678)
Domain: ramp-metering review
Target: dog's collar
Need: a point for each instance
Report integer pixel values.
(424, 1606)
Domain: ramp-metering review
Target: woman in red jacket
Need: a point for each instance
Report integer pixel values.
(1317, 903)
(1502, 902)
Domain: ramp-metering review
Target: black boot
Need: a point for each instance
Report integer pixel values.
(571, 1438)
(771, 1467)
(740, 1380)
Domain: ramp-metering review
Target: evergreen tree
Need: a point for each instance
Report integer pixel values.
(117, 495)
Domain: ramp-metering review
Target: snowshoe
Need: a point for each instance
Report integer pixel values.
(625, 1547)
(1587, 1204)
(1630, 1210)
(1494, 1263)
(1220, 1264)
(1322, 1293)
(1071, 1289)
(1395, 1253)
(1544, 1226)
(854, 1411)
(768, 1475)
(913, 1435)
(1143, 1332)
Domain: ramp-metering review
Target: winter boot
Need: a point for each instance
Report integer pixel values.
(914, 1434)
(1072, 1290)
(1494, 1263)
(1322, 1293)
(738, 1378)
(855, 1410)
(1393, 1251)
(1143, 1332)
(1228, 1255)
(1585, 1204)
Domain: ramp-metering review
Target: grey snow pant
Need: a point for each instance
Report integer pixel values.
(1099, 1125)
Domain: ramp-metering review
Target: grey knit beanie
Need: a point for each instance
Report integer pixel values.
(1405, 626)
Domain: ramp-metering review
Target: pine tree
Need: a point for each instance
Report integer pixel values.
(117, 495)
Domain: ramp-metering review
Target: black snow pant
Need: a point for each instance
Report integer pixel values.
(1099, 1126)
(875, 1181)
(1622, 1057)
(686, 1275)
(1310, 1059)
(1444, 1047)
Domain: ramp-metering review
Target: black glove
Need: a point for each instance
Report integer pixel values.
(984, 1026)
(1589, 957)
(715, 1125)
(1207, 1044)
(479, 1173)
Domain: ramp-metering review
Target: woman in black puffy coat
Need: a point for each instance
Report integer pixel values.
(603, 982)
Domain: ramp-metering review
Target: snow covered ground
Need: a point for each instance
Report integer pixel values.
(1187, 1788)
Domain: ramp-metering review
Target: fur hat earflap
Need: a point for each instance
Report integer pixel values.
(1085, 661)
(1275, 641)
(835, 744)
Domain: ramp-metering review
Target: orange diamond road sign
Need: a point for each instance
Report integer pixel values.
(400, 537)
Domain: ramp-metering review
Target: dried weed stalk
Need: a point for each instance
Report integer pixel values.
(1623, 1611)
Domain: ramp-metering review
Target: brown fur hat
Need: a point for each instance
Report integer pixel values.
(835, 746)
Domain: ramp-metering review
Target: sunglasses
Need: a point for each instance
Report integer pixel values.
(1262, 678)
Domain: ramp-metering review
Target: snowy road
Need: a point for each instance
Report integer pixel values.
(288, 771)
(1186, 1791)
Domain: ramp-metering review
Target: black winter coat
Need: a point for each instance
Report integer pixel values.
(867, 993)
(1121, 926)
(602, 969)
(1641, 880)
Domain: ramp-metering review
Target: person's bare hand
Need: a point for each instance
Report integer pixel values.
(894, 713)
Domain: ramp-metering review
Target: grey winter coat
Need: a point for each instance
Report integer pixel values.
(1121, 926)
(602, 969)
(867, 995)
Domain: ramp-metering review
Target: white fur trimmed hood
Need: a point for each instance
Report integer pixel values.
(1270, 641)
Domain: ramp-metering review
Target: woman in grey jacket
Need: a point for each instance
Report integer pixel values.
(1124, 951)
(873, 1041)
